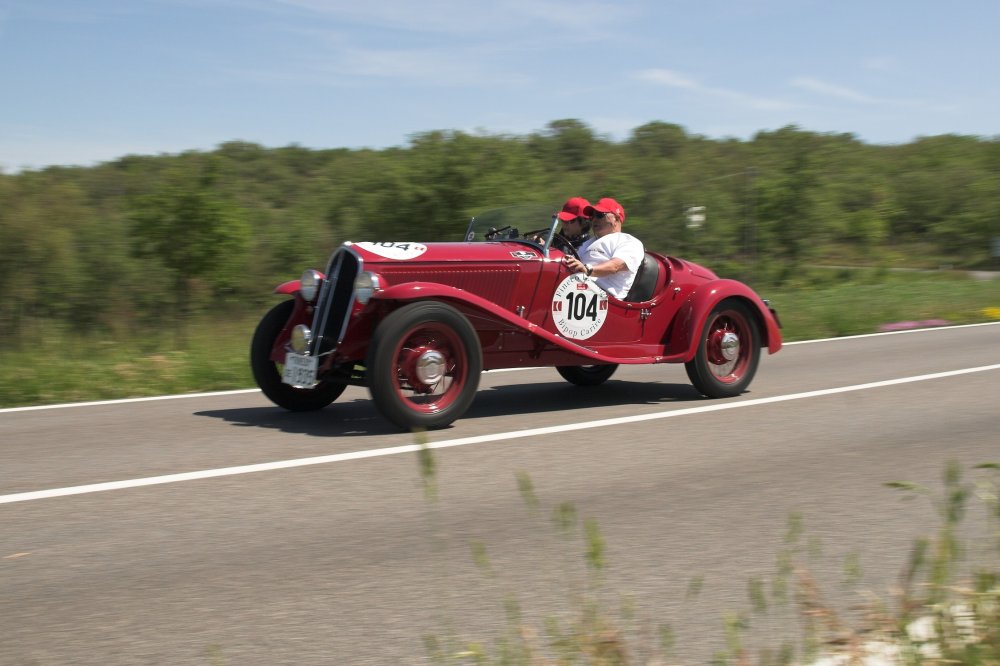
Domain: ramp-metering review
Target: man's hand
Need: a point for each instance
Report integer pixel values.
(574, 265)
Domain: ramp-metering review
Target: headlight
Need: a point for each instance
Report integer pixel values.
(300, 339)
(309, 285)
(365, 285)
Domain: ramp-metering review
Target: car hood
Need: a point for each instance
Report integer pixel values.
(405, 252)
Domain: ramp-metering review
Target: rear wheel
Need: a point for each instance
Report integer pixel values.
(586, 375)
(267, 373)
(728, 351)
(424, 363)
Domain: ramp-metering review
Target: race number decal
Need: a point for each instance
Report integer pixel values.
(391, 250)
(579, 307)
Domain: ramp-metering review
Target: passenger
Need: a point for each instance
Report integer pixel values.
(611, 256)
(575, 223)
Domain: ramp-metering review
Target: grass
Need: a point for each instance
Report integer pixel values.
(61, 367)
(834, 303)
(53, 365)
(945, 611)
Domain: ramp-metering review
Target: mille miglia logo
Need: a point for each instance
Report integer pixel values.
(523, 254)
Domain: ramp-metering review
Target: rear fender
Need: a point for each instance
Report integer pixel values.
(691, 318)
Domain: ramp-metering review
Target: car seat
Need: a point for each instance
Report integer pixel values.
(645, 280)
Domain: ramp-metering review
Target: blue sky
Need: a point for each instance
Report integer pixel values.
(86, 81)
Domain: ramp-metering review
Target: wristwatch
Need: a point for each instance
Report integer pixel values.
(590, 271)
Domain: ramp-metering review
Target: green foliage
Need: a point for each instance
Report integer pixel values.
(946, 609)
(190, 233)
(428, 466)
(595, 545)
(590, 635)
(146, 241)
(527, 488)
(97, 367)
(95, 364)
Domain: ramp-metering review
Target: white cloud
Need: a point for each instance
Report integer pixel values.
(666, 77)
(839, 92)
(831, 90)
(880, 64)
(460, 17)
(672, 79)
(446, 42)
(427, 66)
(573, 21)
(347, 65)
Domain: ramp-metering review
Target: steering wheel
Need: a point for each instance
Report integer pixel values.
(559, 241)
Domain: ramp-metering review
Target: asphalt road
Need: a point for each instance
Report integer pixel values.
(347, 559)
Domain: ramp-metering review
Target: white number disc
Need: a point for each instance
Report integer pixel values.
(579, 307)
(391, 250)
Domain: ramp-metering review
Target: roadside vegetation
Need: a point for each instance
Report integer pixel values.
(147, 274)
(945, 608)
(53, 363)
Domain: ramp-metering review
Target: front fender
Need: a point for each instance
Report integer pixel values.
(691, 316)
(290, 288)
(423, 290)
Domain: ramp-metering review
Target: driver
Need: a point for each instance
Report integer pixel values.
(612, 257)
(575, 223)
(575, 226)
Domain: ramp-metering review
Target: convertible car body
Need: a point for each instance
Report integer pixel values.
(418, 322)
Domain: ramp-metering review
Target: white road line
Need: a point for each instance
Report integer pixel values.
(903, 332)
(177, 396)
(463, 441)
(123, 401)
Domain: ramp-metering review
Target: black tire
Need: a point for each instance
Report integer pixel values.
(587, 375)
(424, 363)
(267, 373)
(728, 351)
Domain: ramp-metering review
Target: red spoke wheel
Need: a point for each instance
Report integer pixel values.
(424, 363)
(267, 373)
(728, 351)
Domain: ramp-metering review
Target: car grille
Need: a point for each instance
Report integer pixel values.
(336, 299)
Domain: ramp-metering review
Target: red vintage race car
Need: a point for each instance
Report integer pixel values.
(418, 322)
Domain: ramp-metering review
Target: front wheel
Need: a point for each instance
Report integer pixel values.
(267, 373)
(423, 367)
(586, 375)
(728, 351)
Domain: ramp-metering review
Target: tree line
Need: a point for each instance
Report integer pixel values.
(147, 241)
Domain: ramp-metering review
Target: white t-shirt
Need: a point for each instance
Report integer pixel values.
(618, 245)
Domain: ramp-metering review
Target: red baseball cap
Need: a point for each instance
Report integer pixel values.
(607, 205)
(573, 208)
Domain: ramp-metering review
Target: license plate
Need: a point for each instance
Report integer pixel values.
(300, 370)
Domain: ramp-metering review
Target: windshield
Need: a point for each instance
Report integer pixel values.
(531, 222)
